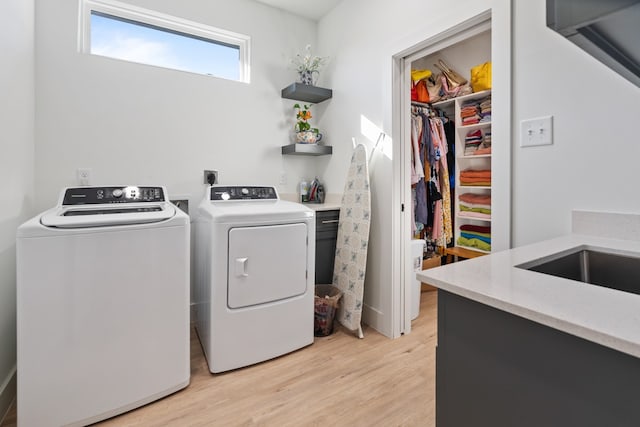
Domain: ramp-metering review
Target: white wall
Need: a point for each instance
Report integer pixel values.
(592, 162)
(361, 77)
(137, 124)
(590, 166)
(16, 168)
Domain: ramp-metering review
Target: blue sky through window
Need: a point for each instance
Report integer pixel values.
(136, 42)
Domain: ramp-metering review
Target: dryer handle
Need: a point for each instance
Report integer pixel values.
(241, 267)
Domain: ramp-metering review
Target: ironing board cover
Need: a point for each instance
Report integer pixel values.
(353, 240)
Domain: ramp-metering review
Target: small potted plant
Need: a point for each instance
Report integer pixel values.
(307, 64)
(305, 134)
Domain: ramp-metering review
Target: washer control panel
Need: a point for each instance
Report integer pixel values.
(222, 192)
(108, 195)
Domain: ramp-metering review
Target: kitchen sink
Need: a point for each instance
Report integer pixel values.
(593, 266)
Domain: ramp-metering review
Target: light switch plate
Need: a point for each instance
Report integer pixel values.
(538, 131)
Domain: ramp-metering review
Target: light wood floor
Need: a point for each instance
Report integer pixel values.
(338, 381)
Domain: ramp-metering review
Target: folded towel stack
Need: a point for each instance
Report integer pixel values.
(476, 143)
(475, 236)
(470, 113)
(476, 111)
(480, 178)
(475, 205)
(485, 146)
(472, 141)
(485, 110)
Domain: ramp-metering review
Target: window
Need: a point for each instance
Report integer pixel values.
(121, 31)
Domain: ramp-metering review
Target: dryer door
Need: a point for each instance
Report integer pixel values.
(266, 263)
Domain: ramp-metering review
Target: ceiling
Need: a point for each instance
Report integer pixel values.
(312, 9)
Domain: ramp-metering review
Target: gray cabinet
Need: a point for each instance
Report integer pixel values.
(326, 237)
(494, 368)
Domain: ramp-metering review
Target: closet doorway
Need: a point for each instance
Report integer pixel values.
(485, 37)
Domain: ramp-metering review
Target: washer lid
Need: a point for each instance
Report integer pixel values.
(105, 215)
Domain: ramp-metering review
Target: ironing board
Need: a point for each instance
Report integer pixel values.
(353, 241)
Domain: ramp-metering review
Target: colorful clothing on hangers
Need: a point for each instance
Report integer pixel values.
(432, 204)
(417, 170)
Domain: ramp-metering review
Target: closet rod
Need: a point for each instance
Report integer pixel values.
(430, 111)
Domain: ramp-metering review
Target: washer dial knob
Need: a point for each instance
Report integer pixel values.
(117, 193)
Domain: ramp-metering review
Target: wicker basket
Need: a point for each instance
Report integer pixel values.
(327, 298)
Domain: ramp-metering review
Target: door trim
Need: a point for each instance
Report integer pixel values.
(498, 20)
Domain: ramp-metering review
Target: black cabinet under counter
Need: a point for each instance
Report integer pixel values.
(326, 238)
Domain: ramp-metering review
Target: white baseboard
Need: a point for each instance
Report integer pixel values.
(7, 393)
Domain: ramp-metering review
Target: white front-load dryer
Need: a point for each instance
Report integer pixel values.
(254, 275)
(102, 305)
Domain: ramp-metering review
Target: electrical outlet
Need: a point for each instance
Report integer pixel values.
(207, 174)
(283, 178)
(536, 132)
(83, 176)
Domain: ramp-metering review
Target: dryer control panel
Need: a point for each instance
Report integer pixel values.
(223, 192)
(108, 195)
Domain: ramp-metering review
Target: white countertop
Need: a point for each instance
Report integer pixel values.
(605, 316)
(332, 201)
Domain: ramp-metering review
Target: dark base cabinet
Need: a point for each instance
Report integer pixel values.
(326, 237)
(496, 369)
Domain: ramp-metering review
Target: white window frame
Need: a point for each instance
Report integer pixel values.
(172, 23)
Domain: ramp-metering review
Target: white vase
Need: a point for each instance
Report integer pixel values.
(307, 77)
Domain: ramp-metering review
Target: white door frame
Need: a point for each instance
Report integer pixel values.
(401, 122)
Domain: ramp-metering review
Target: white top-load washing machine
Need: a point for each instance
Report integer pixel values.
(254, 275)
(102, 305)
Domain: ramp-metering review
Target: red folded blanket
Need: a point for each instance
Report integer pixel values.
(476, 228)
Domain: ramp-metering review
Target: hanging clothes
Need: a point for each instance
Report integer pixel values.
(428, 153)
(430, 177)
(416, 160)
(440, 141)
(449, 132)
